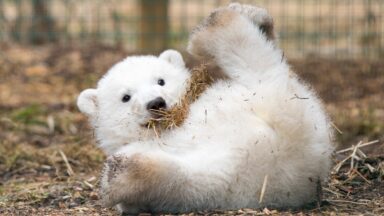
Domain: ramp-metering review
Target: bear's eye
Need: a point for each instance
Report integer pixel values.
(161, 82)
(126, 98)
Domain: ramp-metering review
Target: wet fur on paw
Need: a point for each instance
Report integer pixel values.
(124, 177)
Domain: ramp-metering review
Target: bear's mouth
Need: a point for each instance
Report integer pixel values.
(145, 125)
(155, 116)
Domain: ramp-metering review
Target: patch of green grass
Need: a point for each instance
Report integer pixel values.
(35, 197)
(1, 191)
(13, 157)
(28, 115)
(3, 200)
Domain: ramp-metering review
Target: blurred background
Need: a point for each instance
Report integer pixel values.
(332, 28)
(51, 50)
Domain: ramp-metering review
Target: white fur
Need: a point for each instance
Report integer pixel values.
(87, 102)
(261, 122)
(117, 123)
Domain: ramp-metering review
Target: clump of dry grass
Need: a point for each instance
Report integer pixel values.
(355, 177)
(357, 166)
(200, 80)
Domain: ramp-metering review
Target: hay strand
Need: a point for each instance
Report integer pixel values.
(65, 159)
(263, 188)
(360, 146)
(200, 80)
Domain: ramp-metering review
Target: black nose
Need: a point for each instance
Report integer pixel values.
(156, 104)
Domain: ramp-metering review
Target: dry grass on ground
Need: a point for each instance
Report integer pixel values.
(50, 166)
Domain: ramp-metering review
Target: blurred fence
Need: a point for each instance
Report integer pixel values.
(331, 28)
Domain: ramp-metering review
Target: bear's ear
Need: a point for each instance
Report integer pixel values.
(87, 102)
(173, 57)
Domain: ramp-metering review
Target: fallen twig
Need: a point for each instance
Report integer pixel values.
(336, 128)
(65, 159)
(362, 145)
(346, 201)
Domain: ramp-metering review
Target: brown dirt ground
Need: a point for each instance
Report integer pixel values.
(41, 132)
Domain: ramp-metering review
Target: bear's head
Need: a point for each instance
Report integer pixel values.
(129, 95)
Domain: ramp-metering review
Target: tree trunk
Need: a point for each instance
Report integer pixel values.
(20, 25)
(153, 25)
(3, 29)
(43, 28)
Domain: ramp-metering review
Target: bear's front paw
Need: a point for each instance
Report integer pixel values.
(259, 17)
(126, 179)
(114, 169)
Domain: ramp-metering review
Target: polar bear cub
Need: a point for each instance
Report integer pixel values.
(259, 123)
(125, 98)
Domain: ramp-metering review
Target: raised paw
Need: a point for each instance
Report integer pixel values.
(212, 28)
(259, 17)
(229, 27)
